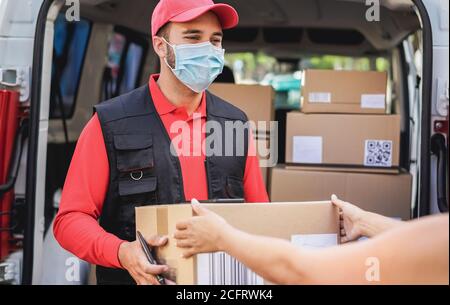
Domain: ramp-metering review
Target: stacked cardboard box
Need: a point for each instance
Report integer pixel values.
(343, 142)
(307, 224)
(343, 139)
(257, 102)
(328, 91)
(385, 194)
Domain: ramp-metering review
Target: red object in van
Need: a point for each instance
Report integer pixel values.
(9, 123)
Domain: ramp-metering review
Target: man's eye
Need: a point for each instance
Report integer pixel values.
(192, 38)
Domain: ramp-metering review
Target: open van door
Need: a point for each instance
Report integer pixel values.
(439, 17)
(430, 111)
(427, 73)
(17, 27)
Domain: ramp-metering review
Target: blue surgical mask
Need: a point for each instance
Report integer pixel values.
(197, 65)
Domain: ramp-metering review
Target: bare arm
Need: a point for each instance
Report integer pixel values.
(393, 257)
(276, 260)
(373, 224)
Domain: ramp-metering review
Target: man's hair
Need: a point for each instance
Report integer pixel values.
(164, 31)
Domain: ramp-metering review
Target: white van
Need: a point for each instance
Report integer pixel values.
(59, 58)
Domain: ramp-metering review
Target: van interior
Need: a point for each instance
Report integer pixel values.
(109, 52)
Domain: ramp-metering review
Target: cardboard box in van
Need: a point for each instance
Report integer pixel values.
(389, 195)
(329, 91)
(255, 100)
(307, 224)
(343, 139)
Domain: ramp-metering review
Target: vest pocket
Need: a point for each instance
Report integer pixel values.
(137, 183)
(129, 186)
(134, 193)
(134, 152)
(234, 187)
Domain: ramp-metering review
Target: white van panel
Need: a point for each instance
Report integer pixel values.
(18, 17)
(438, 14)
(17, 29)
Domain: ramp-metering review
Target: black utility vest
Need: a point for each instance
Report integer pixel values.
(144, 172)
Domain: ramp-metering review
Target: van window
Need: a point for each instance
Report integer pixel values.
(132, 66)
(284, 74)
(69, 49)
(126, 56)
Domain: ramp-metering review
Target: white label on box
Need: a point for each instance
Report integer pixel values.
(373, 101)
(307, 149)
(313, 241)
(320, 97)
(222, 269)
(378, 153)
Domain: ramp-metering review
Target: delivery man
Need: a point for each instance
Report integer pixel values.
(414, 252)
(124, 157)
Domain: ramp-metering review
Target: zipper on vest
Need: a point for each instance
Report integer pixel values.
(208, 182)
(178, 166)
(176, 159)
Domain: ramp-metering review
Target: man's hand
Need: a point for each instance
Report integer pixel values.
(350, 219)
(133, 259)
(202, 233)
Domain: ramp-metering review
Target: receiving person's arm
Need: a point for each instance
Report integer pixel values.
(356, 222)
(401, 259)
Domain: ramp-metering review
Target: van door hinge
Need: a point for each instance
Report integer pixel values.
(7, 273)
(11, 269)
(16, 79)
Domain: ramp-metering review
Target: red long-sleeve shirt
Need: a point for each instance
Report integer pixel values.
(76, 225)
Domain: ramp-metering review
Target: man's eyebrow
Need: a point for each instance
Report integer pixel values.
(199, 32)
(193, 31)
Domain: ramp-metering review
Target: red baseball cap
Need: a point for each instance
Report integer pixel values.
(187, 10)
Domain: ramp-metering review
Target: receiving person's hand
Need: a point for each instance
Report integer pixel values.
(133, 259)
(202, 233)
(350, 219)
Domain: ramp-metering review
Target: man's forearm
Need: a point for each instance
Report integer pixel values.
(81, 235)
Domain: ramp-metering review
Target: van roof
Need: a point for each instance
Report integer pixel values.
(290, 27)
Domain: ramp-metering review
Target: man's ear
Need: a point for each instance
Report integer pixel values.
(159, 46)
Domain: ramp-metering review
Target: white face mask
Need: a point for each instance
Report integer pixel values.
(197, 65)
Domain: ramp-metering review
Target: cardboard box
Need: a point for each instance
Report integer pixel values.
(343, 139)
(255, 100)
(345, 169)
(329, 91)
(305, 224)
(389, 195)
